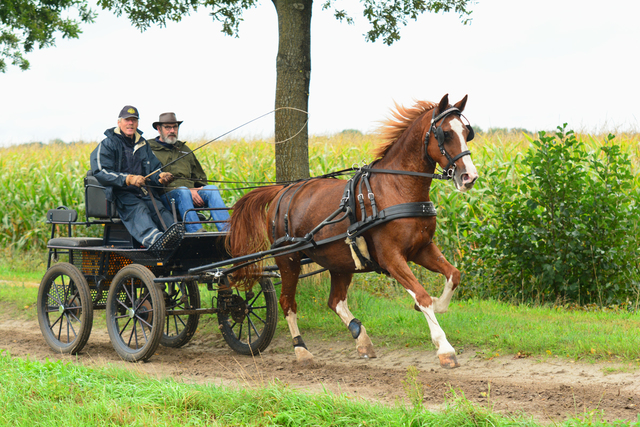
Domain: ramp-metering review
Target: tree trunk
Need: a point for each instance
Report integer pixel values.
(293, 67)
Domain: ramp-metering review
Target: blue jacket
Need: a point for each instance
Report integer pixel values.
(108, 161)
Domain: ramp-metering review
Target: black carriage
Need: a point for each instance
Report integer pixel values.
(148, 294)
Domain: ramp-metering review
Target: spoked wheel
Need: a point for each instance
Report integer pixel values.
(135, 313)
(65, 309)
(179, 328)
(248, 319)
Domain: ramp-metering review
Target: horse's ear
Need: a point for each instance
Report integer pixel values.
(460, 105)
(444, 103)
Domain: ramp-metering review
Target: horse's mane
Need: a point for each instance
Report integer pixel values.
(393, 127)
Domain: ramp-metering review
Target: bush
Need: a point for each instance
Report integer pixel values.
(563, 226)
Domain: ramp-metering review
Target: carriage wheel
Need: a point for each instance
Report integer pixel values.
(65, 309)
(179, 328)
(248, 320)
(135, 313)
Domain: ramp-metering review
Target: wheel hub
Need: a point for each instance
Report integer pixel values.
(145, 311)
(237, 308)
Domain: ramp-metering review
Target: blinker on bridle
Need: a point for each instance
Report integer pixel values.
(439, 133)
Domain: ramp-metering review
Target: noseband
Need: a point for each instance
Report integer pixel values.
(439, 133)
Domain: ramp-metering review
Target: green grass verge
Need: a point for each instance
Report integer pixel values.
(57, 393)
(22, 266)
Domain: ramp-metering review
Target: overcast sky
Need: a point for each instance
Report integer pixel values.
(528, 64)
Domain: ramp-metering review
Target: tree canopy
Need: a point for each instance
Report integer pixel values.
(25, 24)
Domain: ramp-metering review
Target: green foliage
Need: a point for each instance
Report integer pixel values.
(386, 17)
(25, 24)
(578, 217)
(562, 227)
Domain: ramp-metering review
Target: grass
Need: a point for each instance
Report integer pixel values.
(57, 393)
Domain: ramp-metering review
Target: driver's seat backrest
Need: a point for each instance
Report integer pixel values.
(95, 199)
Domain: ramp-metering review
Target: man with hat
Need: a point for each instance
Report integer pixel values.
(123, 162)
(189, 188)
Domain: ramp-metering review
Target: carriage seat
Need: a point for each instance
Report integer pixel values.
(96, 204)
(64, 216)
(74, 242)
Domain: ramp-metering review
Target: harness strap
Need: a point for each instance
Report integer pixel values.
(404, 210)
(401, 172)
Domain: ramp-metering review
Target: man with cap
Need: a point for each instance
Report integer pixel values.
(189, 188)
(123, 162)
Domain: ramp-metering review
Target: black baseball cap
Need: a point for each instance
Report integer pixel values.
(129, 111)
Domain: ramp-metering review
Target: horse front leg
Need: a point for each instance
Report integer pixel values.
(338, 303)
(289, 267)
(399, 269)
(432, 259)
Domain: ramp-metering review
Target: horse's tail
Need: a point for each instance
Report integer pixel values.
(248, 230)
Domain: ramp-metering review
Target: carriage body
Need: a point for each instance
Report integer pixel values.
(149, 297)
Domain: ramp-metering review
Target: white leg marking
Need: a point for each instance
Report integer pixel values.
(364, 346)
(343, 311)
(292, 321)
(302, 354)
(438, 336)
(441, 305)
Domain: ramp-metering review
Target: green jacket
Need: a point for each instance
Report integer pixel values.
(187, 171)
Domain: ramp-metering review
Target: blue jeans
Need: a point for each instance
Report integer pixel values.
(211, 196)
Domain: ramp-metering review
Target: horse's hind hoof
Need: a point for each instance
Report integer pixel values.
(366, 352)
(448, 361)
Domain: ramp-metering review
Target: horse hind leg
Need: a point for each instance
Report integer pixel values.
(290, 270)
(338, 303)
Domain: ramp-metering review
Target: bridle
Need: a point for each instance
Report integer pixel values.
(439, 134)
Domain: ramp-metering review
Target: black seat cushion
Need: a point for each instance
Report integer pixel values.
(74, 242)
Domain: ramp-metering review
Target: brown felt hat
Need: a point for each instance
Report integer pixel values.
(166, 118)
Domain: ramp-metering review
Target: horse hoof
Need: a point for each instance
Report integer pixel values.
(366, 352)
(448, 361)
(304, 356)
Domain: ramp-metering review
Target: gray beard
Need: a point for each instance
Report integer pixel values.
(171, 140)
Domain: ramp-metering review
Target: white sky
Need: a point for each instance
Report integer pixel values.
(529, 64)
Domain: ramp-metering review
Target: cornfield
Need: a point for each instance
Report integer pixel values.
(39, 177)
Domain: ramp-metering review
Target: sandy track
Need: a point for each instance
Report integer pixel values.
(551, 390)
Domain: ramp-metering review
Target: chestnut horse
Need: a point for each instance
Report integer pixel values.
(415, 140)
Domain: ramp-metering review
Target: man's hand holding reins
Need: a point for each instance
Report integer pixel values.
(165, 178)
(137, 180)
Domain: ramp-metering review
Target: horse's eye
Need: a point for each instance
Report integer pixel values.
(447, 136)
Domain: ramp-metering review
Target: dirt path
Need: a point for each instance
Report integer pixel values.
(551, 390)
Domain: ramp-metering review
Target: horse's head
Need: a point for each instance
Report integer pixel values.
(446, 143)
